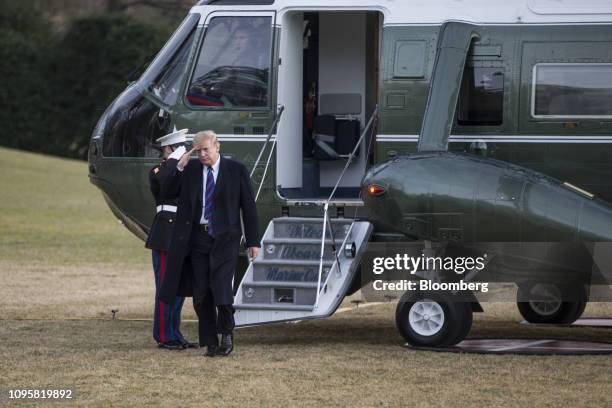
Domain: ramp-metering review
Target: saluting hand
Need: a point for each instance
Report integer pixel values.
(184, 160)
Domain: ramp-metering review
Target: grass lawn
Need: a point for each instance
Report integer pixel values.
(52, 215)
(66, 263)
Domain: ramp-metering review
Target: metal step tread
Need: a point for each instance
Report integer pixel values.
(273, 306)
(282, 284)
(320, 201)
(300, 241)
(313, 219)
(290, 262)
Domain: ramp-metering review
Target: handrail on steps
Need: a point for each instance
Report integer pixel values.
(279, 113)
(326, 219)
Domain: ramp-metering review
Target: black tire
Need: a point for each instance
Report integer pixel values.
(455, 327)
(579, 311)
(557, 312)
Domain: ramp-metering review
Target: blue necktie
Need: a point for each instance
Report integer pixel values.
(208, 207)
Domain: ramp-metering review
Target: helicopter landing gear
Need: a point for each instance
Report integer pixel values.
(433, 318)
(546, 305)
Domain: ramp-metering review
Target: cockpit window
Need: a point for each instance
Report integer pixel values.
(134, 124)
(233, 68)
(166, 85)
(169, 55)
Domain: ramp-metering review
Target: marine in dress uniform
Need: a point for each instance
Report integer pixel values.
(166, 318)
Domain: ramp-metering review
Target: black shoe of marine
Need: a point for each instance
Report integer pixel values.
(227, 345)
(189, 344)
(171, 345)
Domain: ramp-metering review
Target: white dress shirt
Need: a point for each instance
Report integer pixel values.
(215, 172)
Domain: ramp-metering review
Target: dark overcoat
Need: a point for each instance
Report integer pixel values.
(232, 194)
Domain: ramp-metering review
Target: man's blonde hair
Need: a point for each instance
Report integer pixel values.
(206, 135)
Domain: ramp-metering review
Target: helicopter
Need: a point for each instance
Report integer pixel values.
(450, 127)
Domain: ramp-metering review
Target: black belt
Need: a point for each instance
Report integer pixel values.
(203, 227)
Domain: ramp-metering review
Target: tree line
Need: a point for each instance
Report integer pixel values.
(57, 83)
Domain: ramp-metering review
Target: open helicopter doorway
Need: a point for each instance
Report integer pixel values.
(328, 78)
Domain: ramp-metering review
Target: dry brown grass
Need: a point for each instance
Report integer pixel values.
(352, 359)
(38, 291)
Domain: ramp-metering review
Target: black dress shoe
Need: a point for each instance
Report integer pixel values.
(171, 345)
(189, 344)
(227, 344)
(211, 351)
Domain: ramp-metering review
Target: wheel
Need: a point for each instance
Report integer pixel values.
(433, 319)
(545, 303)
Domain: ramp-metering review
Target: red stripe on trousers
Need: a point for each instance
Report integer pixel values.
(162, 271)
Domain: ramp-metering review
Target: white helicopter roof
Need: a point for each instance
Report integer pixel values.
(403, 12)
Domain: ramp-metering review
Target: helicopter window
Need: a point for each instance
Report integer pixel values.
(572, 90)
(167, 83)
(164, 58)
(134, 123)
(233, 68)
(481, 100)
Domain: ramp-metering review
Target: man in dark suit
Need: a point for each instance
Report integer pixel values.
(211, 191)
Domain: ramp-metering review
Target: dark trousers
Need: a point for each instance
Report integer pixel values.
(166, 318)
(211, 319)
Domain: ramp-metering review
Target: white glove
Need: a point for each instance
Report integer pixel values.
(178, 153)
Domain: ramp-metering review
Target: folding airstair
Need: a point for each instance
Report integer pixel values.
(290, 280)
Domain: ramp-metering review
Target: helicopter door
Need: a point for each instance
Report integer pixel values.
(231, 85)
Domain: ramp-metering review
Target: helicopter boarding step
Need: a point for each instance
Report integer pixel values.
(281, 284)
